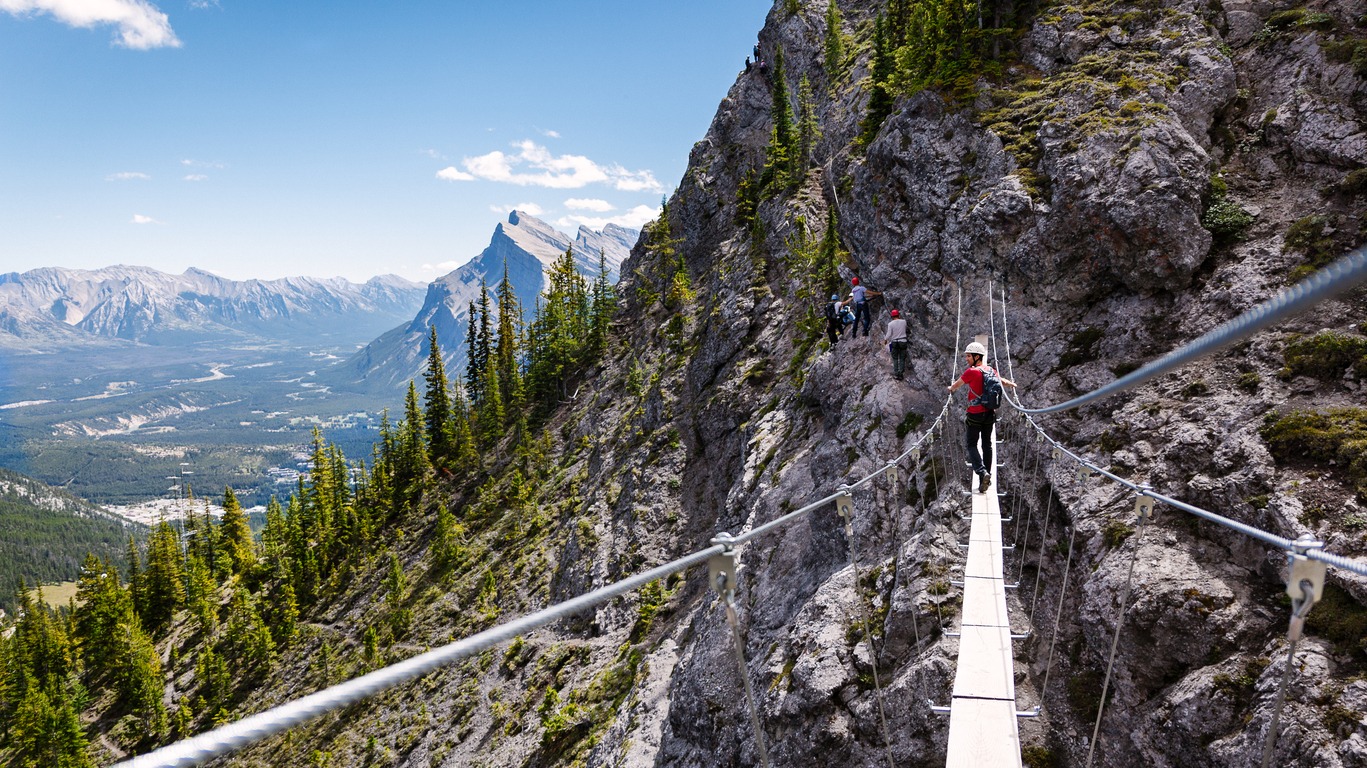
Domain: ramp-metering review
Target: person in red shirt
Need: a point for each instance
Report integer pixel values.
(980, 418)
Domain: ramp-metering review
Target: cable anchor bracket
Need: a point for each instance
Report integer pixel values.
(724, 567)
(844, 506)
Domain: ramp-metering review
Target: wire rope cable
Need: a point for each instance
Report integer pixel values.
(739, 647)
(1334, 279)
(1115, 642)
(868, 634)
(1058, 614)
(1299, 609)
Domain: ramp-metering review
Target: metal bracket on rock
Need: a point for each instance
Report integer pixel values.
(1058, 453)
(723, 567)
(915, 457)
(1084, 473)
(1144, 508)
(844, 506)
(892, 474)
(1305, 583)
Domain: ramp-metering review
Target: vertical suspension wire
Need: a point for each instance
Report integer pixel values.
(745, 679)
(868, 637)
(1039, 572)
(1115, 641)
(1058, 614)
(1299, 609)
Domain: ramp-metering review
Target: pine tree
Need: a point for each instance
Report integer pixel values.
(446, 541)
(491, 414)
(781, 155)
(237, 534)
(397, 585)
(834, 44)
(509, 340)
(164, 578)
(47, 733)
(437, 411)
(411, 466)
(603, 303)
(830, 256)
(474, 366)
(101, 603)
(135, 577)
(880, 94)
(140, 681)
(808, 127)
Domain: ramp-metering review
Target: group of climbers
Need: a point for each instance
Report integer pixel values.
(983, 382)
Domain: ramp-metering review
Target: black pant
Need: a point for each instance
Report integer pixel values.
(861, 309)
(979, 429)
(834, 328)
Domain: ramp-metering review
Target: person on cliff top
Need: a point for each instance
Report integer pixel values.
(835, 323)
(896, 338)
(859, 296)
(980, 418)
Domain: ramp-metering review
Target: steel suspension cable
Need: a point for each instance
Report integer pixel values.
(868, 630)
(1334, 279)
(1115, 641)
(1058, 613)
(739, 646)
(1039, 571)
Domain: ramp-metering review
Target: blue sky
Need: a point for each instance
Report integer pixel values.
(267, 138)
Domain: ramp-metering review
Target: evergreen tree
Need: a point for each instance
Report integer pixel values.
(491, 414)
(236, 534)
(46, 733)
(834, 45)
(509, 339)
(163, 580)
(808, 127)
(140, 681)
(411, 466)
(446, 541)
(558, 337)
(474, 366)
(215, 681)
(397, 585)
(781, 155)
(201, 593)
(830, 256)
(880, 93)
(101, 603)
(135, 577)
(603, 304)
(437, 413)
(285, 614)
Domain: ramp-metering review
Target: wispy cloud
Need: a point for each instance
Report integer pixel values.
(534, 166)
(531, 209)
(589, 204)
(432, 153)
(442, 267)
(125, 175)
(192, 163)
(203, 5)
(634, 219)
(452, 174)
(550, 134)
(140, 25)
(195, 177)
(138, 218)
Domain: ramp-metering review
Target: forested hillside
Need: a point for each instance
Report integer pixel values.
(1123, 175)
(45, 533)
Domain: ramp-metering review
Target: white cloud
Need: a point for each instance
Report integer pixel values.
(125, 175)
(451, 174)
(534, 166)
(191, 163)
(195, 177)
(443, 267)
(638, 181)
(589, 204)
(550, 134)
(633, 219)
(432, 153)
(138, 218)
(203, 5)
(531, 209)
(140, 24)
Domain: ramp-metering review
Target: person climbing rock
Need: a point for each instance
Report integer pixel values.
(896, 337)
(835, 324)
(859, 297)
(979, 419)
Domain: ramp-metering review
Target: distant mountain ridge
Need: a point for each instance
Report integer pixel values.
(527, 245)
(59, 306)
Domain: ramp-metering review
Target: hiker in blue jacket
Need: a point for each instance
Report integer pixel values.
(835, 323)
(979, 419)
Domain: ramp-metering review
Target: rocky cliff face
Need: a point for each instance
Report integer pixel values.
(524, 244)
(1142, 173)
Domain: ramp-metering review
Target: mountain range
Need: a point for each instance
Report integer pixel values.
(525, 246)
(48, 307)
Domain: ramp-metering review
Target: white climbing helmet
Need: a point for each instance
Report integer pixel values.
(974, 348)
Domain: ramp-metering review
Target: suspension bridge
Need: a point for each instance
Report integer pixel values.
(983, 709)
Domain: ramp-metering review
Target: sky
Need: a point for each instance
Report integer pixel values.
(272, 138)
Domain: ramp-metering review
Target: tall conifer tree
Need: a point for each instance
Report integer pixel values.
(437, 414)
(237, 534)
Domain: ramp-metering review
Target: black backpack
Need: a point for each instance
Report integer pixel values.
(831, 312)
(991, 398)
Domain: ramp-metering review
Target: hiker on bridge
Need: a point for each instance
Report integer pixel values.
(985, 397)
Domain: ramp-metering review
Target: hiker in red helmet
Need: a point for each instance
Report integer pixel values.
(860, 295)
(896, 338)
(981, 379)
